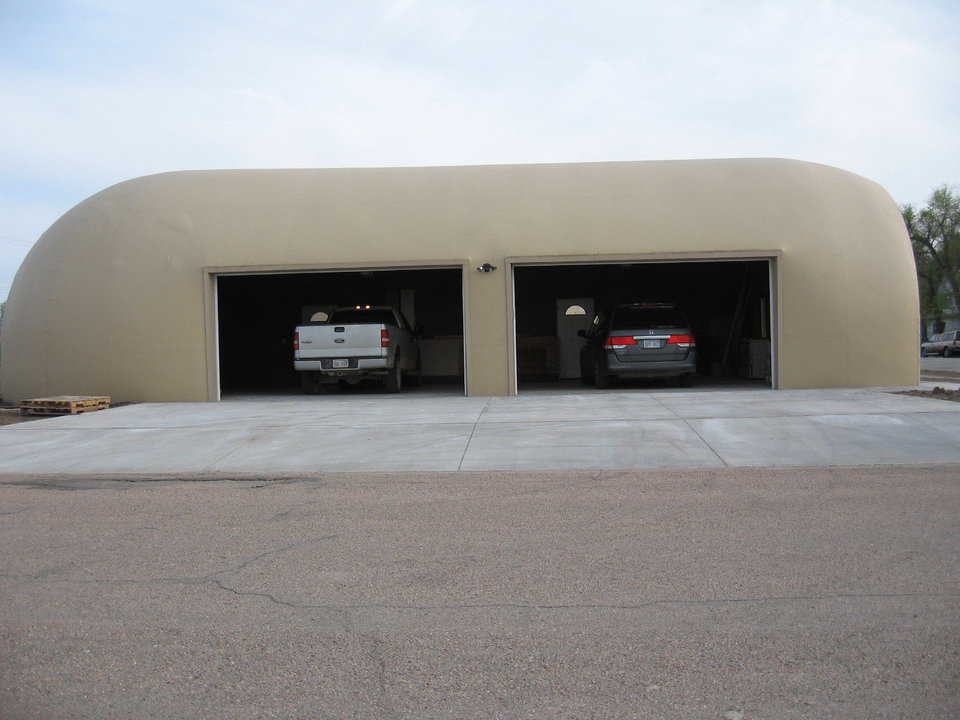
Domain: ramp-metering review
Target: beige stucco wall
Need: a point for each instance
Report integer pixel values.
(113, 298)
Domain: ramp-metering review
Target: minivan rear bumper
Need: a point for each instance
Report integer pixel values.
(653, 368)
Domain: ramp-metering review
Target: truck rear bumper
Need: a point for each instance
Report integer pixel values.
(359, 366)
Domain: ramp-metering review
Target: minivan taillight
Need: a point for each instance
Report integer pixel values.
(682, 340)
(296, 339)
(618, 341)
(384, 338)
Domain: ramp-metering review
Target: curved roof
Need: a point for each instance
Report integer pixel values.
(111, 298)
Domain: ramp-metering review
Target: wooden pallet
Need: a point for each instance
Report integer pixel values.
(64, 405)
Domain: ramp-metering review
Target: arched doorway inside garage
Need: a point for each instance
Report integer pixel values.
(565, 316)
(257, 313)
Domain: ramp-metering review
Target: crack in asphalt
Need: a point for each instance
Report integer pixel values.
(215, 580)
(249, 561)
(212, 579)
(181, 580)
(582, 606)
(251, 593)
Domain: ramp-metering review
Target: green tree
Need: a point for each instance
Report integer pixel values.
(935, 236)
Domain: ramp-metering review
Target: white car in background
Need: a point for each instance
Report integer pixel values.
(946, 344)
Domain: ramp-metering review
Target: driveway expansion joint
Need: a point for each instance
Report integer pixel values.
(686, 421)
(473, 431)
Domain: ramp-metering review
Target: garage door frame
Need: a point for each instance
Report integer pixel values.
(771, 256)
(211, 320)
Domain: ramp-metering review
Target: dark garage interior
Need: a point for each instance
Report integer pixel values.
(257, 315)
(726, 302)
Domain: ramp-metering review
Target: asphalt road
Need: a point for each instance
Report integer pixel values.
(940, 366)
(727, 593)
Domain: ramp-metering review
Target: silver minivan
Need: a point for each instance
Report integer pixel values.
(638, 340)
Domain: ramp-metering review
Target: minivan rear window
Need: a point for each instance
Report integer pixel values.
(630, 318)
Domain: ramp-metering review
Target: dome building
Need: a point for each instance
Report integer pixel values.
(186, 286)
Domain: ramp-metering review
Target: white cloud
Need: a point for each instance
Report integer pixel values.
(397, 9)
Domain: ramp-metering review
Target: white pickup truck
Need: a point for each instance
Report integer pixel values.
(356, 343)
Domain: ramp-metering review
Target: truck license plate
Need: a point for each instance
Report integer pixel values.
(341, 363)
(651, 344)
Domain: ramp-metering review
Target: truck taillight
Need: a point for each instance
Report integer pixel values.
(619, 341)
(296, 339)
(384, 338)
(682, 340)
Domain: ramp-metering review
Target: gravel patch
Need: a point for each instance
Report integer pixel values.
(938, 393)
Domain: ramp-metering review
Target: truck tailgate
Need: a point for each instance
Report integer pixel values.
(330, 341)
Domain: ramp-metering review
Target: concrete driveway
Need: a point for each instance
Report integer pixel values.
(537, 431)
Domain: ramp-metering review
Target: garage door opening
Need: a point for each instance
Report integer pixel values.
(257, 314)
(564, 315)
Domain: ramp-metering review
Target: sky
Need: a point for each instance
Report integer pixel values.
(99, 91)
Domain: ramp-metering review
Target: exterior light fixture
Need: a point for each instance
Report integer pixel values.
(486, 268)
